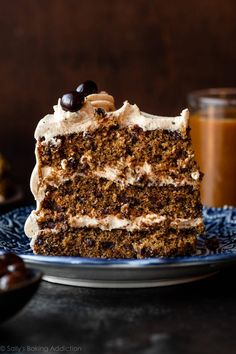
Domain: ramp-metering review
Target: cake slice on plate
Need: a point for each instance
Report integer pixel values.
(113, 183)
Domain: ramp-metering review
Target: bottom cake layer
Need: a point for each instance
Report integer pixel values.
(91, 242)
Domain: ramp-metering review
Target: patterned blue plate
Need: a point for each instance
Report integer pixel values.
(215, 250)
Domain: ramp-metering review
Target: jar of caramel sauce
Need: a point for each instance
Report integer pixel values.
(213, 131)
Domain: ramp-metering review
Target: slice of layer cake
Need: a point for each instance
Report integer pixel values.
(113, 183)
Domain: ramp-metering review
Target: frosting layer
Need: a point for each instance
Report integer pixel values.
(132, 176)
(112, 222)
(65, 122)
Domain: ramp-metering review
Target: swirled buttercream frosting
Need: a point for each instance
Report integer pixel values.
(64, 122)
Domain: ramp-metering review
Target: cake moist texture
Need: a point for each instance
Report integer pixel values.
(114, 183)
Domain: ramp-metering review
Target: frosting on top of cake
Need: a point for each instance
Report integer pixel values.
(63, 122)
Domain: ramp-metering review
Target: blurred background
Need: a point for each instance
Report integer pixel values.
(150, 52)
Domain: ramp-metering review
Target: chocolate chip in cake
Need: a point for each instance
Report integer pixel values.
(106, 245)
(115, 126)
(72, 163)
(98, 194)
(47, 225)
(104, 211)
(146, 252)
(101, 112)
(39, 241)
(89, 242)
(87, 88)
(134, 139)
(72, 101)
(141, 179)
(128, 151)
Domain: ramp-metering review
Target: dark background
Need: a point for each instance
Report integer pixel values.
(150, 52)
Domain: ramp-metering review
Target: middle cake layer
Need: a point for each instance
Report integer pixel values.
(98, 197)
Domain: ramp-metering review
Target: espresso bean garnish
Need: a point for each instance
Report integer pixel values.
(87, 88)
(72, 101)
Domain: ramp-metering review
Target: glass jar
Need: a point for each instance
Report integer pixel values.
(213, 131)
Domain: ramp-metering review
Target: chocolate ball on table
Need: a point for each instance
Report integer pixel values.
(9, 280)
(3, 267)
(72, 101)
(13, 262)
(17, 267)
(12, 271)
(87, 88)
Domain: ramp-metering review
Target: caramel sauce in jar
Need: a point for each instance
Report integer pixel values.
(213, 132)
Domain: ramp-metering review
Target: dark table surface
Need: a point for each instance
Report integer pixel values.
(194, 318)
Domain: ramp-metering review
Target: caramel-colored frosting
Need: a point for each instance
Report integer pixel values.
(64, 122)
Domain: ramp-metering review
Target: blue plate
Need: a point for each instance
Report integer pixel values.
(215, 250)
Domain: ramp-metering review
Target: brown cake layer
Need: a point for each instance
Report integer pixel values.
(98, 197)
(117, 244)
(107, 145)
